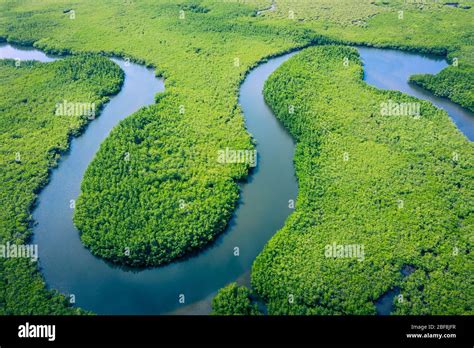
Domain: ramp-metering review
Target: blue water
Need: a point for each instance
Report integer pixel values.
(391, 70)
(106, 289)
(263, 207)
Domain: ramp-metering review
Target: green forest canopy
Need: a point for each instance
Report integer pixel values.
(398, 186)
(32, 138)
(204, 56)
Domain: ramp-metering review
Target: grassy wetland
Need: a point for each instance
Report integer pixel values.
(156, 191)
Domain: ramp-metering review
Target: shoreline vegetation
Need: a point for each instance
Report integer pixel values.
(450, 83)
(163, 134)
(37, 138)
(387, 185)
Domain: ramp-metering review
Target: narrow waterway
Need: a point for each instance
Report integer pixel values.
(263, 207)
(107, 289)
(391, 69)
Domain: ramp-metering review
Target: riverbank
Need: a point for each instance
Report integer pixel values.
(33, 139)
(204, 55)
(383, 183)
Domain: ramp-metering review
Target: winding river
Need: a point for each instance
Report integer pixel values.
(391, 69)
(263, 207)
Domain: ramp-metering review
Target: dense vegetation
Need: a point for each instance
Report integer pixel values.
(425, 26)
(454, 83)
(32, 137)
(351, 12)
(391, 184)
(234, 300)
(172, 196)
